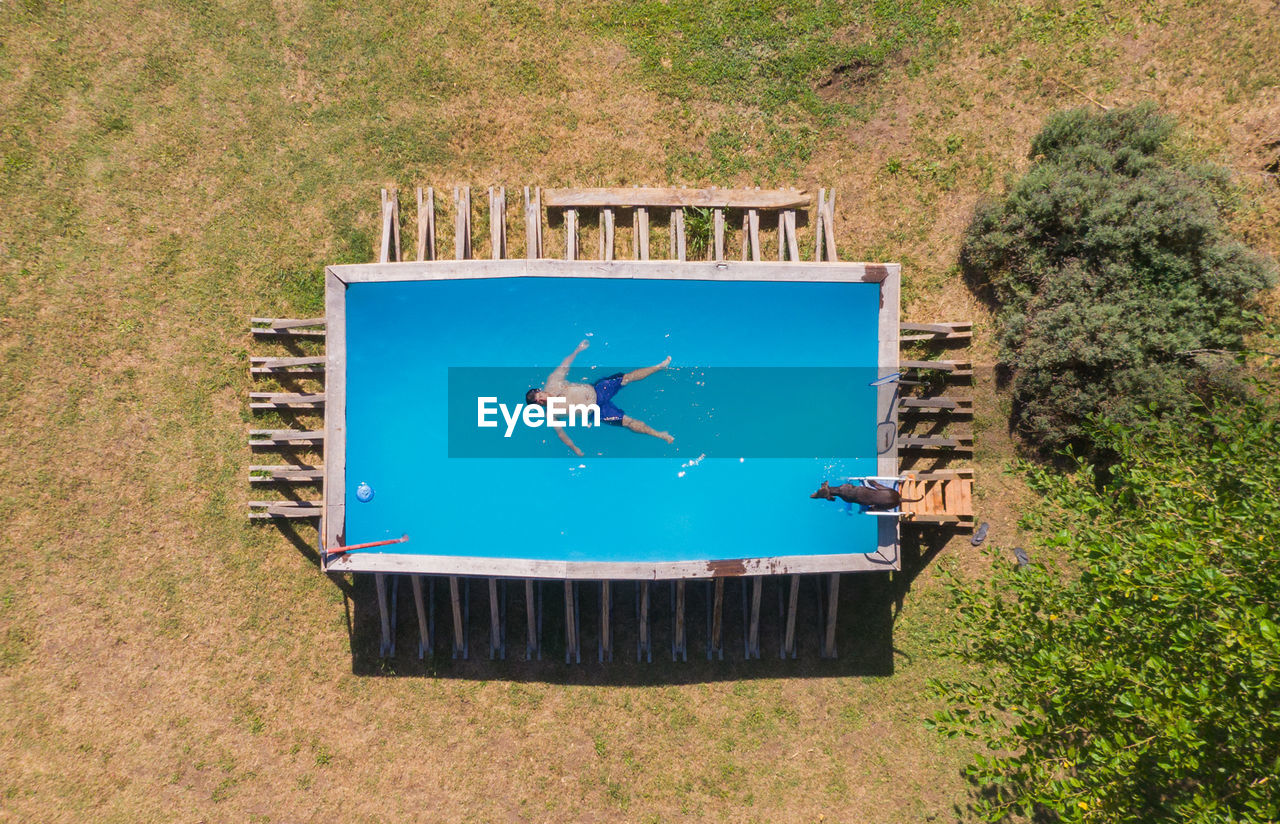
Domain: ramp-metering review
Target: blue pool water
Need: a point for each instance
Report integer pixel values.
(767, 396)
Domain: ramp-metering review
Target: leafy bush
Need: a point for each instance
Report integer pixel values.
(1144, 686)
(1109, 264)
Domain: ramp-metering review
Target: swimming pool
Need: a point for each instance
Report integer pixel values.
(768, 393)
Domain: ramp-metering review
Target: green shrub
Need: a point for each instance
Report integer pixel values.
(1108, 263)
(1144, 685)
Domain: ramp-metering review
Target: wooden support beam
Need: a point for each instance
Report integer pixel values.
(672, 198)
(570, 234)
(276, 438)
(640, 234)
(753, 225)
(462, 222)
(717, 221)
(532, 224)
(793, 244)
(715, 639)
(497, 641)
(459, 623)
(389, 248)
(425, 641)
(286, 400)
(678, 242)
(606, 234)
(573, 641)
(498, 222)
(830, 236)
(532, 648)
(936, 331)
(753, 621)
(426, 224)
(952, 366)
(388, 647)
(605, 652)
(261, 510)
(833, 602)
(286, 323)
(819, 226)
(940, 402)
(793, 603)
(746, 237)
(644, 646)
(285, 474)
(679, 649)
(960, 444)
(286, 366)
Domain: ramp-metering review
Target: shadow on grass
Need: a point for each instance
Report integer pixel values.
(868, 605)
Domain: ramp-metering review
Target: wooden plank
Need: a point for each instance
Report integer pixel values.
(622, 197)
(286, 323)
(571, 234)
(677, 217)
(960, 444)
(285, 509)
(645, 644)
(746, 235)
(497, 223)
(952, 336)
(964, 496)
(715, 645)
(833, 603)
(426, 224)
(459, 628)
(819, 221)
(678, 645)
(641, 233)
(942, 473)
(606, 627)
(420, 607)
(285, 473)
(717, 219)
(793, 601)
(285, 400)
(572, 650)
(384, 615)
(753, 624)
(753, 226)
(939, 402)
(384, 243)
(936, 365)
(495, 623)
(793, 244)
(272, 439)
(532, 227)
(272, 364)
(462, 222)
(531, 622)
(937, 328)
(935, 504)
(333, 527)
(831, 226)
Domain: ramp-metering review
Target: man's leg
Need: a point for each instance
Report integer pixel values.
(645, 429)
(641, 374)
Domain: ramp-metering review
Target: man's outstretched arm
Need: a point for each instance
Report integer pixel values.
(562, 371)
(569, 442)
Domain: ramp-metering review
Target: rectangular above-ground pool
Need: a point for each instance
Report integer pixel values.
(769, 391)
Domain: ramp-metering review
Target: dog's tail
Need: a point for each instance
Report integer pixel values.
(910, 500)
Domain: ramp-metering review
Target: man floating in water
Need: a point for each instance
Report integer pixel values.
(600, 393)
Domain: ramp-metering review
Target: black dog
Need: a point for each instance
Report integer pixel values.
(874, 496)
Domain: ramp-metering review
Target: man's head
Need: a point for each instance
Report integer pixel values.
(536, 397)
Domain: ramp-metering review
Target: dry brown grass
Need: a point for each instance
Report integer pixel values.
(170, 171)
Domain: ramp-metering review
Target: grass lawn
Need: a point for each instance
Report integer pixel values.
(170, 169)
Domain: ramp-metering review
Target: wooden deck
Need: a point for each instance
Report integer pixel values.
(946, 497)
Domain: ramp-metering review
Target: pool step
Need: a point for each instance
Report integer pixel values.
(284, 509)
(946, 497)
(287, 327)
(286, 400)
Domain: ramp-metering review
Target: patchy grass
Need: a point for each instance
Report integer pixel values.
(171, 169)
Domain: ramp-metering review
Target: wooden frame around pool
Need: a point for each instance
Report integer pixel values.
(333, 523)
